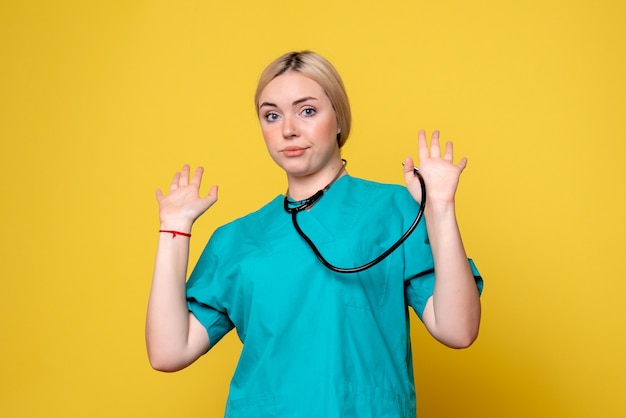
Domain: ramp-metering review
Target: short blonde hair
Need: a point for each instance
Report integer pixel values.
(320, 70)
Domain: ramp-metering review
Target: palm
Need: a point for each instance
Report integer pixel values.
(183, 203)
(441, 175)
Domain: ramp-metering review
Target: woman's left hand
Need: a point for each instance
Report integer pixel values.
(441, 175)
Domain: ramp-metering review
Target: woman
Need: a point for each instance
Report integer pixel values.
(316, 343)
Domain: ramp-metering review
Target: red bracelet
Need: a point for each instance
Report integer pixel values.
(174, 233)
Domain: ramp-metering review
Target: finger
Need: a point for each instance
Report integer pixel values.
(159, 195)
(449, 154)
(197, 177)
(462, 164)
(412, 182)
(422, 146)
(184, 176)
(212, 196)
(408, 165)
(435, 150)
(175, 181)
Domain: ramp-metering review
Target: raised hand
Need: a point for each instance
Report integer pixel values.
(174, 337)
(441, 175)
(183, 204)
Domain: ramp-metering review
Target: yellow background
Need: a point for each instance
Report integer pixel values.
(101, 101)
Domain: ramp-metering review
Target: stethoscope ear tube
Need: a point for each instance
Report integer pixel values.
(381, 257)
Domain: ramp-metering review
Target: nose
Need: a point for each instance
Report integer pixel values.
(290, 127)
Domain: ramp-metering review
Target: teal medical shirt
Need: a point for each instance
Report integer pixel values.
(318, 343)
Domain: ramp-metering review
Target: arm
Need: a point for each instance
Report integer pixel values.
(452, 314)
(174, 337)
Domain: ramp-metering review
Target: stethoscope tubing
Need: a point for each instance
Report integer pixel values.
(309, 202)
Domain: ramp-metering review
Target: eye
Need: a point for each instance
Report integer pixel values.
(308, 111)
(271, 116)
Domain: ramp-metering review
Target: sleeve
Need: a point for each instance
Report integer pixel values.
(420, 288)
(208, 290)
(419, 271)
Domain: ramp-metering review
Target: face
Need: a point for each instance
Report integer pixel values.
(299, 125)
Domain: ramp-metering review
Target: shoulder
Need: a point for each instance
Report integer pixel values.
(365, 190)
(253, 219)
(251, 230)
(241, 237)
(374, 185)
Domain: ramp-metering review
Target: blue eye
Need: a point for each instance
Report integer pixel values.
(271, 116)
(309, 111)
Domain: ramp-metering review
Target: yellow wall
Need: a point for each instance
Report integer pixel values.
(101, 101)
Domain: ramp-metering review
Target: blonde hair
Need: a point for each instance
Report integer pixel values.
(320, 70)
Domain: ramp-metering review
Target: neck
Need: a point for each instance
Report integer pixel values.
(303, 187)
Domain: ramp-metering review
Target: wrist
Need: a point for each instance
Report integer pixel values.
(183, 227)
(440, 208)
(175, 233)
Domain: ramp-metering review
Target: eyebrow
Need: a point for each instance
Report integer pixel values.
(295, 103)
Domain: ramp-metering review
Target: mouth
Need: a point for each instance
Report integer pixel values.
(293, 151)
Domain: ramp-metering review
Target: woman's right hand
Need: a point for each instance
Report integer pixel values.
(183, 205)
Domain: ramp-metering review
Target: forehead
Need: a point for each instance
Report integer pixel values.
(291, 86)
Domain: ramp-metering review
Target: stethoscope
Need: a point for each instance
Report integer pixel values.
(295, 207)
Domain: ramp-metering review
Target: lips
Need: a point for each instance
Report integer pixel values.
(293, 151)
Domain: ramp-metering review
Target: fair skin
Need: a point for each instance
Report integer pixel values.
(300, 129)
(452, 314)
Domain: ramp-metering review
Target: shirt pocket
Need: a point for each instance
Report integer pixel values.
(367, 289)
